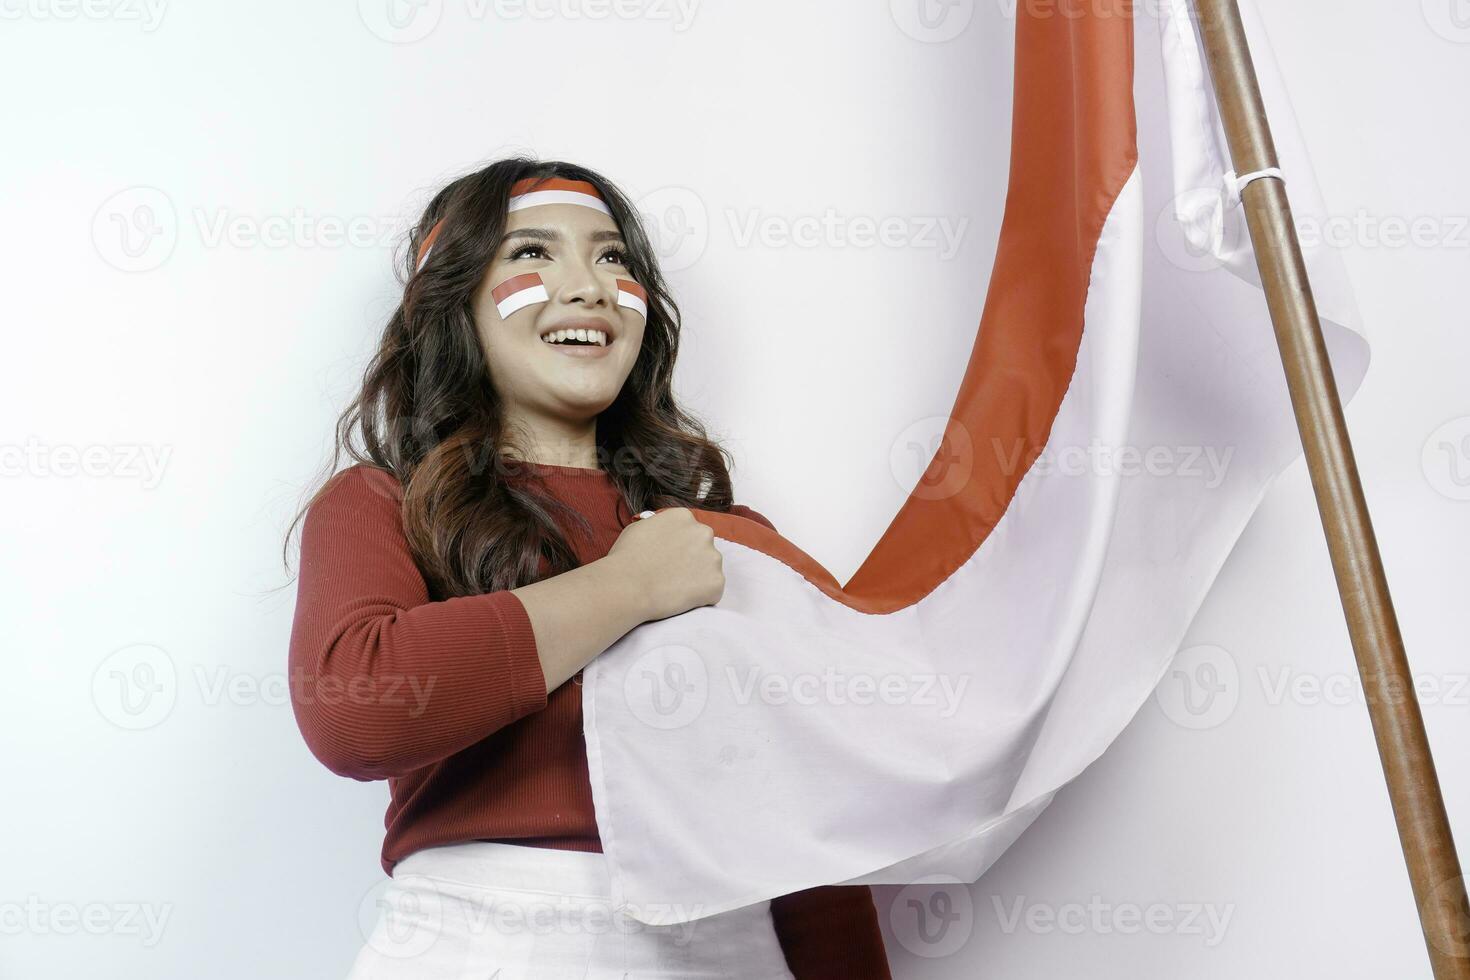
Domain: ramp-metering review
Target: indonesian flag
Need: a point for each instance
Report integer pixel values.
(633, 297)
(1016, 613)
(517, 293)
(528, 289)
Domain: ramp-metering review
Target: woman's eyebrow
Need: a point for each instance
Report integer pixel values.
(552, 235)
(540, 234)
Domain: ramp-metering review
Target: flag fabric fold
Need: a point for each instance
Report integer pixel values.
(1122, 413)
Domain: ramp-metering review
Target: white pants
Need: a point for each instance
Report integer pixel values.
(484, 910)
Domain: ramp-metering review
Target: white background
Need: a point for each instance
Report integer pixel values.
(223, 323)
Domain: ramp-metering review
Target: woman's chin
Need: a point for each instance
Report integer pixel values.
(583, 396)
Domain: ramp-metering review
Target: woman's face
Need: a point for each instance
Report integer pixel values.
(579, 254)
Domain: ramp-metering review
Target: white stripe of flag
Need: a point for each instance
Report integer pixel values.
(631, 295)
(537, 198)
(517, 293)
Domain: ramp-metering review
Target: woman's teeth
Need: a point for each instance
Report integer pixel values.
(594, 337)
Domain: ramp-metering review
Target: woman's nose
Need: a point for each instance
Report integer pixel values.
(581, 284)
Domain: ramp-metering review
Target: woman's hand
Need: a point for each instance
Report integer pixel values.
(671, 561)
(659, 566)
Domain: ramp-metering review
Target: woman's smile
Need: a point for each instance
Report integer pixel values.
(585, 336)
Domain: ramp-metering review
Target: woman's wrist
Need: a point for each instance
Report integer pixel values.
(621, 582)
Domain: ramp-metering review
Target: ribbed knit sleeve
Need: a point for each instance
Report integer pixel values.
(383, 681)
(831, 932)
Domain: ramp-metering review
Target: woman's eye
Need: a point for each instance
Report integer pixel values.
(532, 250)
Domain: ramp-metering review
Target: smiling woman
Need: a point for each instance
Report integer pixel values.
(561, 243)
(517, 414)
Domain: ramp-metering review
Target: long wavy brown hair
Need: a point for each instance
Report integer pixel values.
(476, 520)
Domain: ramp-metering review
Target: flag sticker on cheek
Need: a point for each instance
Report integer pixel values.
(517, 293)
(633, 296)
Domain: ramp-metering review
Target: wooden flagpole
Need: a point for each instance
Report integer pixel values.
(1398, 726)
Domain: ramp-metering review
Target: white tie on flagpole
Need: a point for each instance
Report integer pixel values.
(1235, 186)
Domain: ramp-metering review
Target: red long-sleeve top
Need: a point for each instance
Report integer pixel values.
(446, 700)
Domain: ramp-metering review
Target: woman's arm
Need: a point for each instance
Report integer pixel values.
(383, 681)
(830, 932)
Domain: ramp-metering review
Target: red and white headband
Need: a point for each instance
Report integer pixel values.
(528, 289)
(530, 193)
(534, 191)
